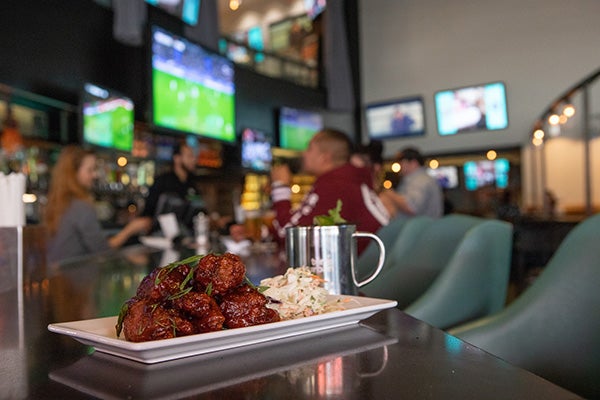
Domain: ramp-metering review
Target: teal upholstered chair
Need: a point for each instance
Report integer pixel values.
(422, 250)
(553, 328)
(399, 246)
(367, 261)
(475, 281)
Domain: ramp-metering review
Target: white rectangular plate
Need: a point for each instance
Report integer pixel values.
(100, 333)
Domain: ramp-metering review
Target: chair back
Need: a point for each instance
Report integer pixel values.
(422, 250)
(553, 328)
(475, 281)
(368, 259)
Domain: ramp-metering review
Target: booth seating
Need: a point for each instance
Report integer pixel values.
(474, 282)
(553, 328)
(421, 251)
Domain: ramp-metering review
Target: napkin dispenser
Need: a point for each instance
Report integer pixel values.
(12, 209)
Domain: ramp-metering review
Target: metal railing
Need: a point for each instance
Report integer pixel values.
(278, 65)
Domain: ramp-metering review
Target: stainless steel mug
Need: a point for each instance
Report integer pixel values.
(330, 252)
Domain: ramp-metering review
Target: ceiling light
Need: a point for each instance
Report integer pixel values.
(538, 134)
(569, 110)
(553, 119)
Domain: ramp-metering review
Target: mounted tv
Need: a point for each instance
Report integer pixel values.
(396, 118)
(256, 150)
(472, 108)
(485, 173)
(186, 10)
(193, 89)
(297, 127)
(314, 7)
(107, 118)
(447, 176)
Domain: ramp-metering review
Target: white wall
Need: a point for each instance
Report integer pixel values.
(539, 48)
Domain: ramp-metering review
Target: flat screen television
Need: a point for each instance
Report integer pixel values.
(193, 89)
(396, 118)
(486, 172)
(297, 127)
(186, 10)
(256, 150)
(480, 107)
(447, 176)
(314, 7)
(107, 118)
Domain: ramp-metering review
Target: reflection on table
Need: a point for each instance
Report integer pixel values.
(386, 356)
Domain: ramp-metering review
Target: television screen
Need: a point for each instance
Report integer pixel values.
(471, 108)
(193, 89)
(447, 176)
(297, 127)
(396, 118)
(256, 150)
(187, 10)
(296, 38)
(314, 7)
(485, 172)
(108, 118)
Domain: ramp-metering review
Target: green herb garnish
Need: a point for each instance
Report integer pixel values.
(170, 267)
(334, 216)
(179, 294)
(122, 313)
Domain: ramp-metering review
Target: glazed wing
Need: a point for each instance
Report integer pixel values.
(220, 273)
(246, 306)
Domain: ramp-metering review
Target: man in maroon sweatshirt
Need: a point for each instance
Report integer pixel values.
(327, 158)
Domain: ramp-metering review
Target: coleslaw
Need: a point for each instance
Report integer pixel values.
(298, 293)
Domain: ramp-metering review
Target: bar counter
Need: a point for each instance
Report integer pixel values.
(387, 356)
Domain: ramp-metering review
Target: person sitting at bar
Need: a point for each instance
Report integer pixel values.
(70, 217)
(418, 193)
(328, 159)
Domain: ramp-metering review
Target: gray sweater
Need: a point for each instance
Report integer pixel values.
(79, 233)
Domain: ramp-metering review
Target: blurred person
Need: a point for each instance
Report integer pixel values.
(418, 193)
(370, 156)
(11, 140)
(179, 181)
(401, 122)
(70, 217)
(328, 159)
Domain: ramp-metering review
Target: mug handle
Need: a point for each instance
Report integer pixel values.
(379, 263)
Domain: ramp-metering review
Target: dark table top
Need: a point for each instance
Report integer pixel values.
(387, 356)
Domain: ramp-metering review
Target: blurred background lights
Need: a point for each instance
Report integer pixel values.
(491, 155)
(553, 119)
(569, 110)
(538, 134)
